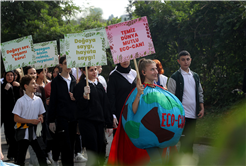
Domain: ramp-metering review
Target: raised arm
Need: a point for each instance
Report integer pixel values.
(140, 89)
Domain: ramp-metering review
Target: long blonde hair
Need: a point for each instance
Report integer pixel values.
(142, 64)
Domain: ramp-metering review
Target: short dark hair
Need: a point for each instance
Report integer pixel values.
(25, 80)
(26, 69)
(39, 71)
(183, 53)
(82, 77)
(58, 67)
(62, 59)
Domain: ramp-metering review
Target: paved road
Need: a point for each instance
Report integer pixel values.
(199, 150)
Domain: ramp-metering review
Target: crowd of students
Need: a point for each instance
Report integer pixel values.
(73, 115)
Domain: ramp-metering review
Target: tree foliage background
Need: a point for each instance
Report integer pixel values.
(213, 32)
(48, 20)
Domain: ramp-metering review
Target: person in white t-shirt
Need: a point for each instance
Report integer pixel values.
(74, 72)
(101, 78)
(28, 112)
(186, 85)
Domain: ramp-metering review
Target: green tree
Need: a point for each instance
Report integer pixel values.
(41, 19)
(213, 32)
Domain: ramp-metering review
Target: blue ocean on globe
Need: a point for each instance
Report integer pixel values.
(159, 120)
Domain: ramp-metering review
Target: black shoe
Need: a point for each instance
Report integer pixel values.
(11, 159)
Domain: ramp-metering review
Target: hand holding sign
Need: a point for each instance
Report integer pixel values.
(87, 91)
(85, 49)
(130, 40)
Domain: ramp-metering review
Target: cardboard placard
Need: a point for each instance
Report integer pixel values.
(85, 49)
(130, 40)
(18, 53)
(46, 54)
(62, 47)
(100, 29)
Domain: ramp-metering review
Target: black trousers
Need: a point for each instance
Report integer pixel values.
(93, 135)
(22, 149)
(54, 146)
(187, 140)
(65, 135)
(10, 137)
(78, 145)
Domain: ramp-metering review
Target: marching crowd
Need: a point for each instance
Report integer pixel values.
(60, 116)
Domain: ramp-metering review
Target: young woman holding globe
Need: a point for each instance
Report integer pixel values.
(152, 119)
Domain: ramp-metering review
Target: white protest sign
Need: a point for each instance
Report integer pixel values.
(18, 53)
(85, 49)
(100, 29)
(62, 47)
(46, 54)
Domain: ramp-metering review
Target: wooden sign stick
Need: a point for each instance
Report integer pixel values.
(22, 72)
(136, 67)
(77, 72)
(87, 84)
(45, 79)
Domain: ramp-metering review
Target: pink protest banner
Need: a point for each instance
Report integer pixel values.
(130, 40)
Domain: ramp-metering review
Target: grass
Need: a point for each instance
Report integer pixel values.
(208, 125)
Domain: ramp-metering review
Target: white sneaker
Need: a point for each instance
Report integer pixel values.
(48, 161)
(50, 157)
(79, 158)
(55, 163)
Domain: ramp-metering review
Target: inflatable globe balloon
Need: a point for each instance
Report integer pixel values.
(159, 120)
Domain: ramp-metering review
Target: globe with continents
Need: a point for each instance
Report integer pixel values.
(159, 120)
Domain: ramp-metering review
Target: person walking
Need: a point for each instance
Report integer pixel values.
(121, 83)
(9, 96)
(62, 109)
(94, 114)
(186, 86)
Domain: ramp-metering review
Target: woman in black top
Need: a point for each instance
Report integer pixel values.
(93, 115)
(9, 95)
(121, 83)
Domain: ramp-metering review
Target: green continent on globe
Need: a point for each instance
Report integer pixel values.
(166, 102)
(132, 129)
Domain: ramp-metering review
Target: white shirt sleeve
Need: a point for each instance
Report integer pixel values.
(171, 86)
(200, 90)
(17, 108)
(41, 107)
(163, 80)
